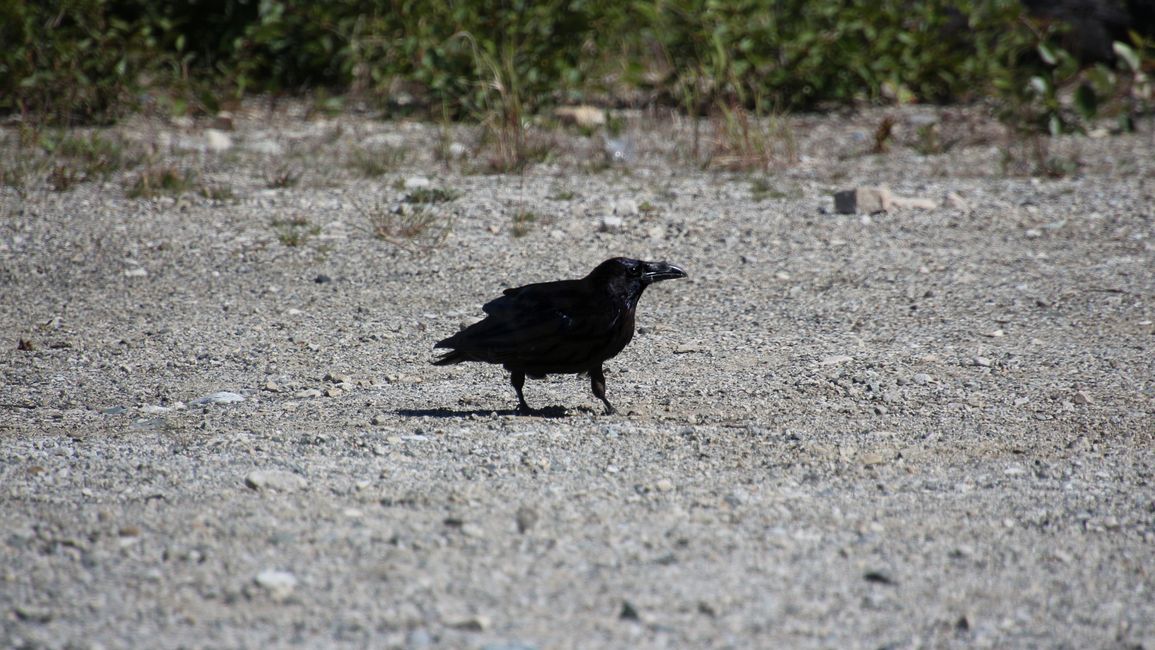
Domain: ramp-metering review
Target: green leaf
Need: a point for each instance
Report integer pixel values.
(1086, 101)
(1127, 54)
(1047, 54)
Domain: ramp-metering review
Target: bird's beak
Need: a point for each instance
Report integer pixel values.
(658, 271)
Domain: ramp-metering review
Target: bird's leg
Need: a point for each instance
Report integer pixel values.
(517, 378)
(598, 386)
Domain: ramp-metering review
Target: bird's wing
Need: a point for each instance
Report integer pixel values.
(547, 324)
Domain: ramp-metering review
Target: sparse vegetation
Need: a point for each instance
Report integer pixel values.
(523, 221)
(159, 181)
(95, 156)
(749, 139)
(883, 135)
(374, 163)
(282, 177)
(63, 177)
(740, 63)
(1033, 155)
(413, 228)
(14, 173)
(761, 189)
(431, 195)
(219, 193)
(68, 159)
(295, 231)
(929, 142)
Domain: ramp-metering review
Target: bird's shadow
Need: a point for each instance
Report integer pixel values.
(547, 412)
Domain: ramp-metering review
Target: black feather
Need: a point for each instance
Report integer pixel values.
(568, 326)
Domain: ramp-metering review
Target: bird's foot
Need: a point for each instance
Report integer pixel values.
(524, 409)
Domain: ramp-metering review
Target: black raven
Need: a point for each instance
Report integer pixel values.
(568, 326)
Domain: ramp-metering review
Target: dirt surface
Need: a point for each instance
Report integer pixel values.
(923, 428)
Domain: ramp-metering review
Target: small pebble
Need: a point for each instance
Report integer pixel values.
(275, 479)
(611, 224)
(835, 359)
(629, 612)
(878, 577)
(278, 584)
(526, 518)
(477, 623)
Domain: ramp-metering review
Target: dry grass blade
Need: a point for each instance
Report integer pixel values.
(743, 140)
(414, 228)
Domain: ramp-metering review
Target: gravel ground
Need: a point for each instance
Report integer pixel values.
(923, 428)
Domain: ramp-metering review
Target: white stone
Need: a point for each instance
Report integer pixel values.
(218, 140)
(278, 584)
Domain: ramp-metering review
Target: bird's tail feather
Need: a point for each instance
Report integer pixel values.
(449, 358)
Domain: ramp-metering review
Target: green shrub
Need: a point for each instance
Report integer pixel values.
(797, 54)
(88, 61)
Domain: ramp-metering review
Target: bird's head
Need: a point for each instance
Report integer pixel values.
(627, 277)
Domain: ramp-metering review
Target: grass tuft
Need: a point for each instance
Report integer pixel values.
(523, 221)
(295, 231)
(431, 195)
(283, 177)
(377, 163)
(159, 181)
(418, 228)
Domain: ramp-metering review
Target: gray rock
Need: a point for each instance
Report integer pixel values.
(863, 200)
(611, 224)
(219, 397)
(278, 584)
(275, 479)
